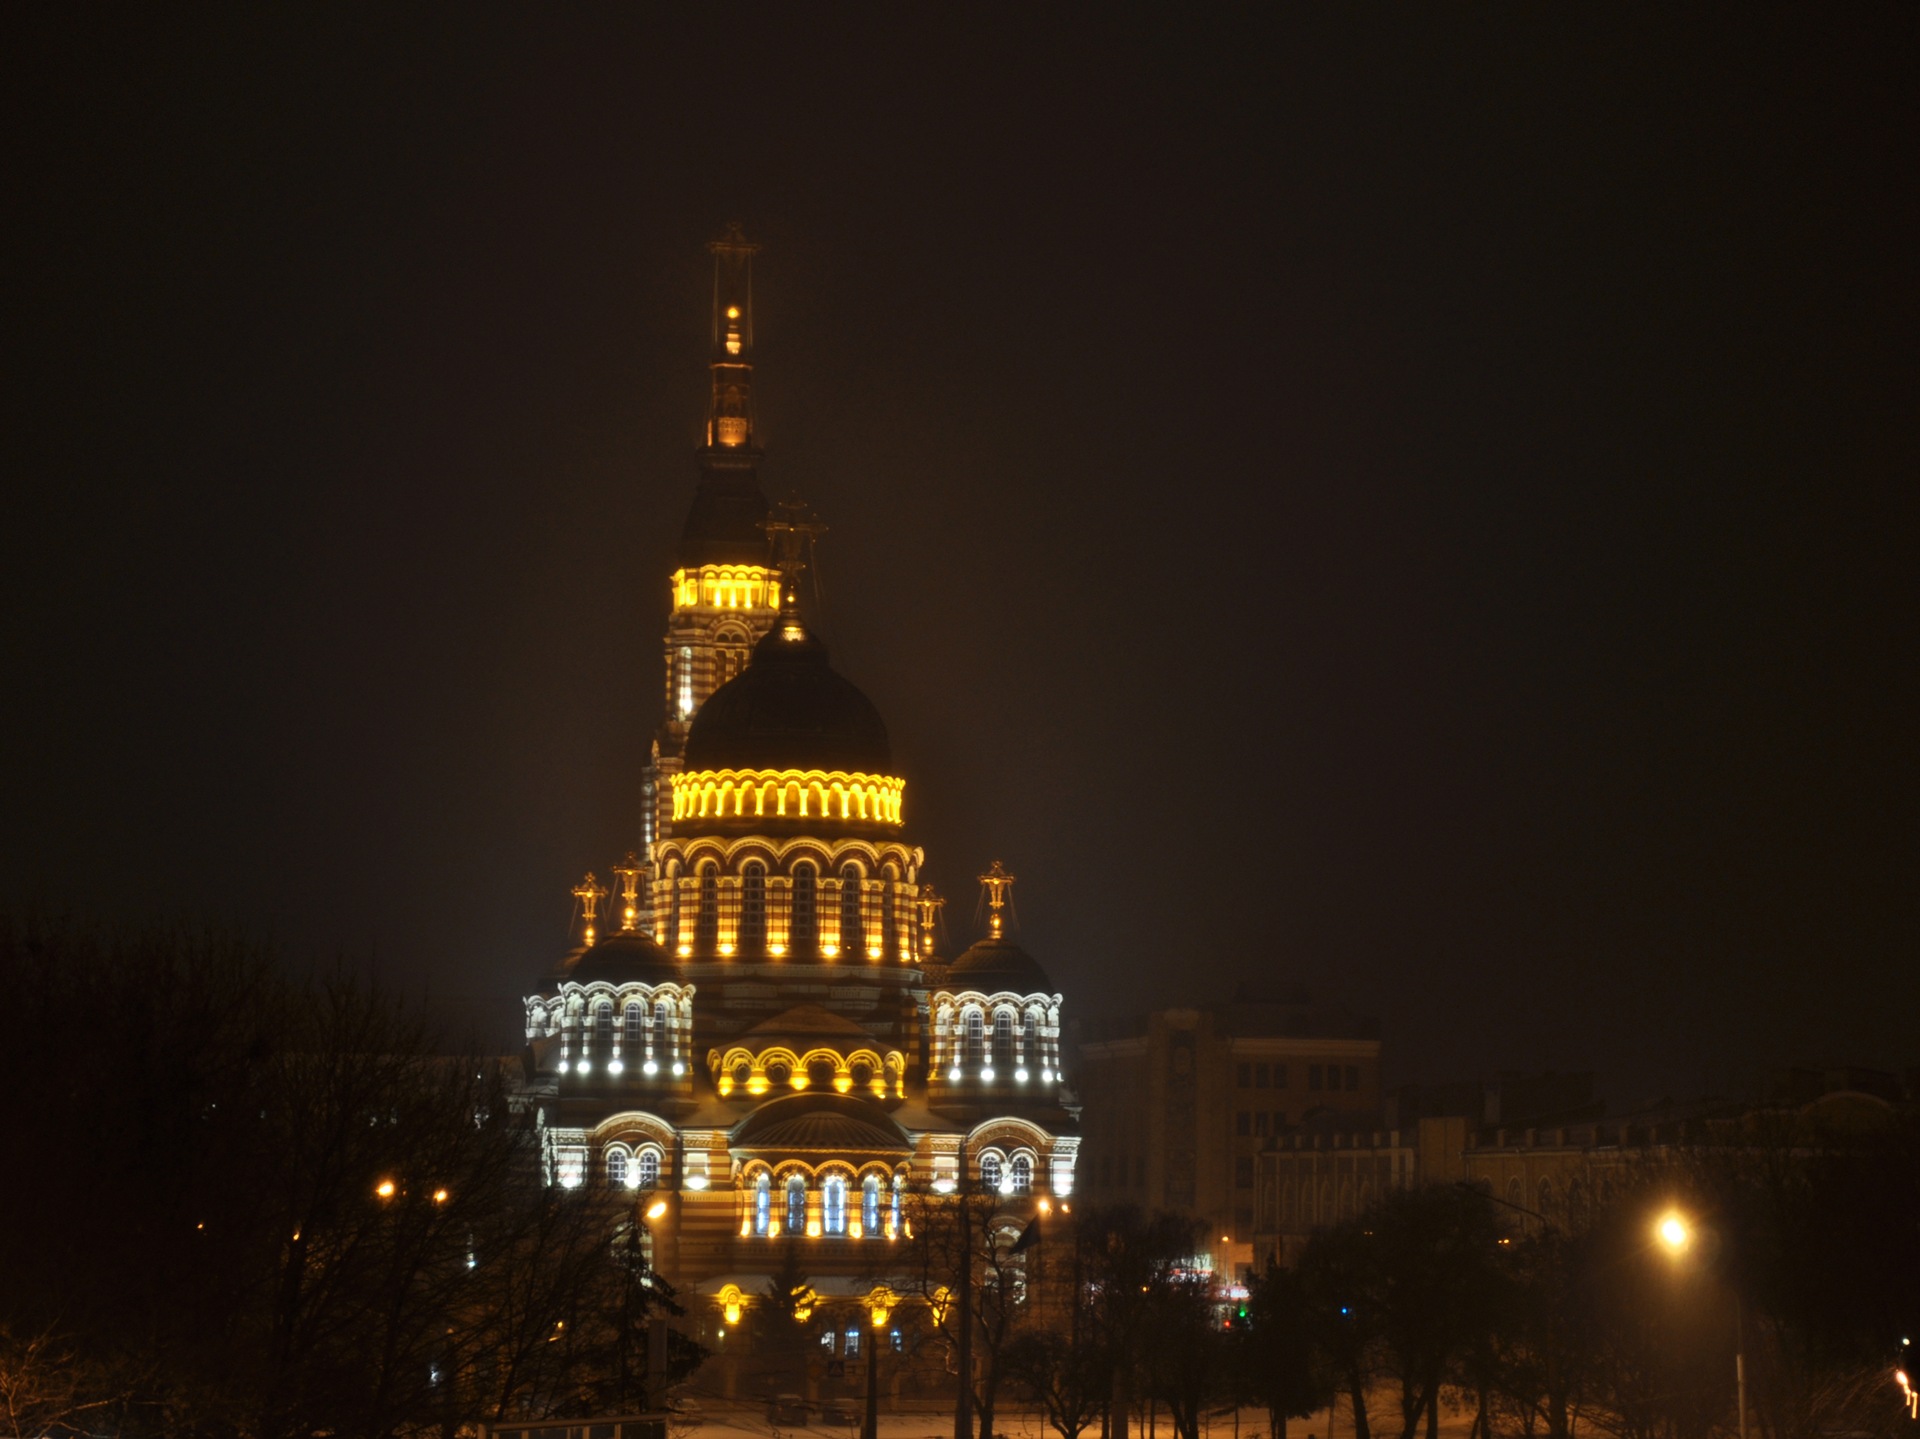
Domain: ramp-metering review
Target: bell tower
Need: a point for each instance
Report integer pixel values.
(724, 593)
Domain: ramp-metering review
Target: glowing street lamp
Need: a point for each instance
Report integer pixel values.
(1675, 1234)
(880, 1306)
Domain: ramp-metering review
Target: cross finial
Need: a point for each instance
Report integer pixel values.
(998, 884)
(628, 871)
(929, 903)
(792, 528)
(590, 892)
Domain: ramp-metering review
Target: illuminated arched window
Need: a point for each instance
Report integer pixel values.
(851, 942)
(870, 1206)
(753, 907)
(616, 1168)
(1030, 1040)
(893, 1218)
(673, 901)
(891, 939)
(762, 1203)
(976, 1052)
(833, 1204)
(646, 1169)
(1022, 1172)
(633, 1026)
(806, 894)
(1003, 1041)
(706, 931)
(603, 1024)
(796, 1205)
(990, 1172)
(663, 1031)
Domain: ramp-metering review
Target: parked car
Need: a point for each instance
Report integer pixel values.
(839, 1411)
(789, 1409)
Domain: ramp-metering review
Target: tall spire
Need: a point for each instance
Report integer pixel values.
(997, 882)
(730, 411)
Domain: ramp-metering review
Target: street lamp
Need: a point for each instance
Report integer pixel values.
(1675, 1233)
(880, 1304)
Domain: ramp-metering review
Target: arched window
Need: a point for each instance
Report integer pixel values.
(990, 1172)
(1022, 1174)
(663, 1031)
(796, 1205)
(833, 1206)
(673, 901)
(851, 942)
(762, 1204)
(646, 1169)
(870, 1206)
(1030, 1040)
(633, 1026)
(616, 1168)
(893, 1217)
(976, 1039)
(706, 930)
(890, 912)
(603, 1024)
(1003, 1041)
(753, 907)
(806, 932)
(1546, 1195)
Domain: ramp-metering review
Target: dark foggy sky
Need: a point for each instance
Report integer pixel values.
(1416, 504)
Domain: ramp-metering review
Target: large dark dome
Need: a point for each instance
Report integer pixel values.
(789, 710)
(998, 966)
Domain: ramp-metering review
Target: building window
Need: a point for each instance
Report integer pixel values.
(990, 1173)
(646, 1169)
(1259, 1076)
(851, 940)
(1243, 1172)
(663, 1030)
(1353, 1076)
(1022, 1168)
(706, 930)
(852, 1347)
(833, 1208)
(1030, 1040)
(1243, 1075)
(1333, 1076)
(1313, 1076)
(976, 1039)
(1279, 1076)
(633, 1027)
(893, 1219)
(870, 1206)
(603, 1024)
(616, 1168)
(762, 1204)
(685, 678)
(806, 933)
(753, 907)
(1243, 1123)
(1003, 1041)
(796, 1205)
(1260, 1124)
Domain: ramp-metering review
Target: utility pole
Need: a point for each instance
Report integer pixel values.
(963, 1411)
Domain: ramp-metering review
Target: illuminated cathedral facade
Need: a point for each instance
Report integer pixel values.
(757, 1040)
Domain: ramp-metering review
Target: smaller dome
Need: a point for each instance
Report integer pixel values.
(625, 956)
(997, 965)
(807, 1025)
(806, 1122)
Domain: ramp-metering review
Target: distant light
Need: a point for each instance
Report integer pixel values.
(650, 1067)
(656, 1209)
(696, 1181)
(1046, 1076)
(954, 1074)
(384, 1189)
(733, 312)
(1674, 1231)
(439, 1196)
(1020, 1075)
(614, 1066)
(986, 1073)
(678, 1067)
(582, 1067)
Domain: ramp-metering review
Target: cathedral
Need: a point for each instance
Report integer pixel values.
(757, 1041)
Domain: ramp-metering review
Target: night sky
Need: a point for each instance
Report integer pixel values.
(1415, 504)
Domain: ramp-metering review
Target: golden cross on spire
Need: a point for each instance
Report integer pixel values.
(628, 872)
(792, 528)
(998, 883)
(589, 892)
(929, 903)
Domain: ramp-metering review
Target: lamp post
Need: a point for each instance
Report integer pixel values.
(879, 1308)
(1675, 1233)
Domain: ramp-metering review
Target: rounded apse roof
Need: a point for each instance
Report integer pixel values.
(789, 710)
(995, 965)
(806, 1122)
